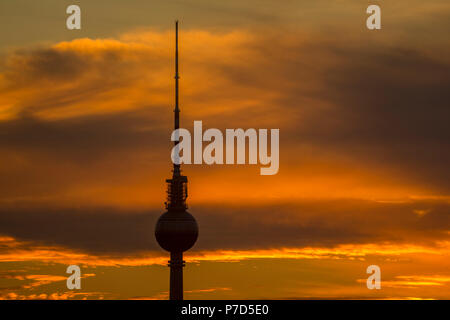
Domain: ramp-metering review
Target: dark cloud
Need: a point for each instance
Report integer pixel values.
(86, 73)
(382, 106)
(44, 64)
(392, 107)
(379, 106)
(321, 223)
(42, 158)
(385, 108)
(308, 223)
(86, 138)
(92, 230)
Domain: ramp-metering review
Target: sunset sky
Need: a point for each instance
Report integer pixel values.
(364, 177)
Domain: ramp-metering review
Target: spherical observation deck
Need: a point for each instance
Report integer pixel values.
(176, 230)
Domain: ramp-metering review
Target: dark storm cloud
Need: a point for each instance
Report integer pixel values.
(41, 158)
(385, 105)
(376, 104)
(61, 64)
(44, 64)
(85, 138)
(320, 223)
(392, 108)
(84, 73)
(92, 230)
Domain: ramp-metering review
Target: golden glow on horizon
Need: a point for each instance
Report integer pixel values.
(26, 251)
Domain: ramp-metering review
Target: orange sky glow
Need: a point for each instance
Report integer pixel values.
(85, 123)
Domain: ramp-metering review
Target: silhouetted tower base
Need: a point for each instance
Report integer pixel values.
(176, 265)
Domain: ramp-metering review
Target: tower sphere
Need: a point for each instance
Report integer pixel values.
(176, 231)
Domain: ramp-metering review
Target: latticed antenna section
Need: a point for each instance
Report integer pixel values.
(176, 193)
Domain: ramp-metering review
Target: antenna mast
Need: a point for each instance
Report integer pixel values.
(177, 110)
(176, 167)
(177, 186)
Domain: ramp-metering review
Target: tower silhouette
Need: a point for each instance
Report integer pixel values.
(176, 230)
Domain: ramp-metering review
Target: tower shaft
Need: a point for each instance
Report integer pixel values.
(176, 265)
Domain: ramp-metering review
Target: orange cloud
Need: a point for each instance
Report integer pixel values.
(27, 251)
(294, 81)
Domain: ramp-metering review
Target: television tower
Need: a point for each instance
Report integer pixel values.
(176, 230)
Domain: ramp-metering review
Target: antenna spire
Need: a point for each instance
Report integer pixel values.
(177, 110)
(176, 167)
